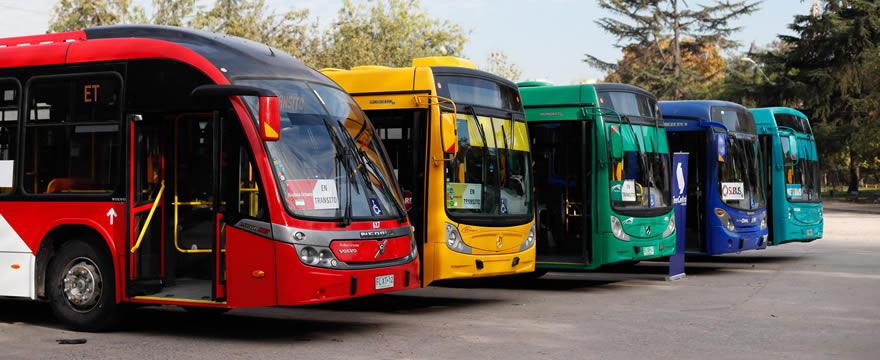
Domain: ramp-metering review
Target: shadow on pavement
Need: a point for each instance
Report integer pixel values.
(169, 322)
(525, 282)
(403, 304)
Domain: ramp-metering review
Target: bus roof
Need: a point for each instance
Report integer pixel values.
(539, 94)
(234, 57)
(408, 78)
(763, 116)
(694, 109)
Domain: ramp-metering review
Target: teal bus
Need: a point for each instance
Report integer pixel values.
(790, 163)
(601, 175)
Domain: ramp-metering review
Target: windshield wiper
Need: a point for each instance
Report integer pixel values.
(366, 168)
(343, 156)
(485, 151)
(642, 156)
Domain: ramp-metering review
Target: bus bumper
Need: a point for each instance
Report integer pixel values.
(721, 241)
(300, 285)
(638, 249)
(453, 265)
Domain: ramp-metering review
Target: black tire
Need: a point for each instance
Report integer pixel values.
(91, 283)
(205, 311)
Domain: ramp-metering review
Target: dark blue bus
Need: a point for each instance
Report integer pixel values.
(726, 208)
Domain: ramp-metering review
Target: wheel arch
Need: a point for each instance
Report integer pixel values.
(61, 234)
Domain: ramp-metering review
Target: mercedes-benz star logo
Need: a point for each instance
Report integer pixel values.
(381, 248)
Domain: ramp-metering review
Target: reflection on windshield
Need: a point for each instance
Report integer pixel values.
(738, 175)
(490, 173)
(802, 182)
(638, 179)
(324, 170)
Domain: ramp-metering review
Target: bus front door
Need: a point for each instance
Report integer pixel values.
(175, 218)
(563, 153)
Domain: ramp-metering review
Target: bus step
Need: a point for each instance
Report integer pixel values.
(144, 287)
(354, 285)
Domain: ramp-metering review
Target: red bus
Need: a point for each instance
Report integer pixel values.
(158, 165)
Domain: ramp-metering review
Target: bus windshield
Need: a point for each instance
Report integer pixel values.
(640, 181)
(740, 170)
(739, 177)
(328, 161)
(640, 178)
(490, 174)
(801, 173)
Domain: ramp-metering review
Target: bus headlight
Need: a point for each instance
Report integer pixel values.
(454, 242)
(309, 256)
(530, 240)
(617, 229)
(669, 228)
(726, 221)
(764, 221)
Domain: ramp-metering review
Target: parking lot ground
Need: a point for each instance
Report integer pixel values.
(797, 301)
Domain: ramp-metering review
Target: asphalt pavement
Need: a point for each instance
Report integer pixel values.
(818, 300)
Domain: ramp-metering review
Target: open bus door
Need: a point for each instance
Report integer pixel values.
(563, 162)
(175, 216)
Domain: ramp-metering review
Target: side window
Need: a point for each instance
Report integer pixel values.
(10, 96)
(72, 135)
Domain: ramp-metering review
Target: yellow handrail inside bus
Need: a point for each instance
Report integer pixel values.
(137, 244)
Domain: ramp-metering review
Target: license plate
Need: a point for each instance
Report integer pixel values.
(648, 251)
(384, 282)
(809, 232)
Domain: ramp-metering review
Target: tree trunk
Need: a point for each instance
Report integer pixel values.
(853, 172)
(676, 51)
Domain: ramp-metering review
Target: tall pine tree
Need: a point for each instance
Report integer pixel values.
(663, 38)
(834, 55)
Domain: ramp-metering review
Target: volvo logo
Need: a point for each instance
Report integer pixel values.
(499, 242)
(381, 248)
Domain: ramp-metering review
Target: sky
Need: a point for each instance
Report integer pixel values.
(547, 39)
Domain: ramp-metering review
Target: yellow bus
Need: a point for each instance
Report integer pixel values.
(458, 142)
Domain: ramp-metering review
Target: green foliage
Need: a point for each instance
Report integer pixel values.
(383, 32)
(667, 44)
(387, 32)
(76, 14)
(835, 57)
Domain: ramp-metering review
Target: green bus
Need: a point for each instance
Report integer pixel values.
(601, 174)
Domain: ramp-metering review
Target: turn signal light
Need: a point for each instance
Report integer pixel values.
(15, 266)
(259, 274)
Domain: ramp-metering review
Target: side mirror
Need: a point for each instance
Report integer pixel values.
(616, 138)
(269, 108)
(721, 146)
(270, 118)
(449, 134)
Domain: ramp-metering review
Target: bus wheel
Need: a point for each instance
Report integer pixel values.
(81, 288)
(205, 311)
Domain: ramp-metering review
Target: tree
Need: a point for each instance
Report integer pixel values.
(387, 32)
(70, 15)
(761, 78)
(702, 64)
(835, 57)
(173, 12)
(661, 34)
(499, 64)
(290, 31)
